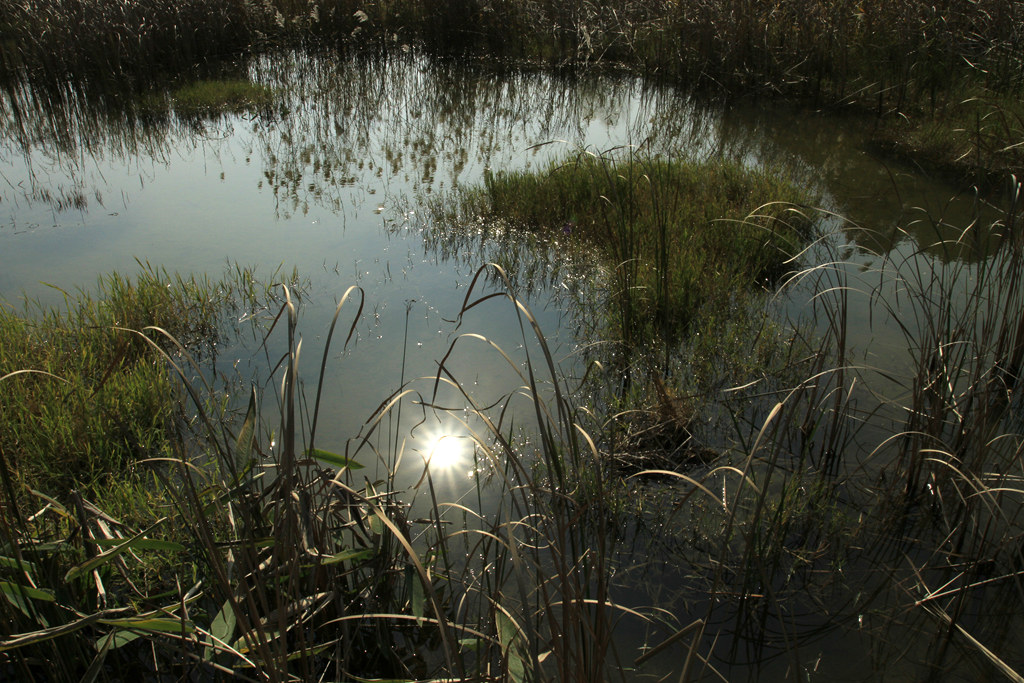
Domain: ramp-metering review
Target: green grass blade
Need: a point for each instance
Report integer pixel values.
(141, 544)
(107, 555)
(350, 556)
(9, 589)
(132, 628)
(246, 435)
(333, 459)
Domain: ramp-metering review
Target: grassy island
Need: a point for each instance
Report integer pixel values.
(676, 236)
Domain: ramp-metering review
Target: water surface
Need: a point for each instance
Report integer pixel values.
(334, 181)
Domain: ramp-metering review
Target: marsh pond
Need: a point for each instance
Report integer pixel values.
(814, 478)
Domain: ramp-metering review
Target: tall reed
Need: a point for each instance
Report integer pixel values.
(921, 66)
(895, 52)
(901, 519)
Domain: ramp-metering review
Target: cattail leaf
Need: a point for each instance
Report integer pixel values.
(246, 435)
(107, 555)
(350, 555)
(333, 459)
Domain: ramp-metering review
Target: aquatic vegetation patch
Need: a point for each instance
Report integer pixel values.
(209, 97)
(676, 311)
(216, 96)
(85, 397)
(674, 235)
(978, 138)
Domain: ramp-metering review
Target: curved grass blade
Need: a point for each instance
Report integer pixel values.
(107, 555)
(333, 459)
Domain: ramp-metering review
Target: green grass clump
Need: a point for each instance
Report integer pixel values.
(85, 397)
(675, 235)
(977, 138)
(214, 96)
(106, 484)
(209, 97)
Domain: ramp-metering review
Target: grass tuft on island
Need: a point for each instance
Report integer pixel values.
(674, 235)
(210, 97)
(221, 96)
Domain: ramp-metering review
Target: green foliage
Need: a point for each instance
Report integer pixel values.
(94, 402)
(85, 397)
(209, 96)
(676, 236)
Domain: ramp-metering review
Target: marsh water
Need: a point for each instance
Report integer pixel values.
(335, 179)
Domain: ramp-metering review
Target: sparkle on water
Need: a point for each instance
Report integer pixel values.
(444, 451)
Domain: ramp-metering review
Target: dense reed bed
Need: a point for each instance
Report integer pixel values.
(121, 42)
(945, 78)
(841, 46)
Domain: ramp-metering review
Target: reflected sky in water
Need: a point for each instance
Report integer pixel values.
(333, 180)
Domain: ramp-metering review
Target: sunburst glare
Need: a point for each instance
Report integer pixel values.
(444, 451)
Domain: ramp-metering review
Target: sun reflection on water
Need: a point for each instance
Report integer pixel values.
(447, 452)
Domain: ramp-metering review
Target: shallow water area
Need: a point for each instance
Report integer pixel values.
(333, 181)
